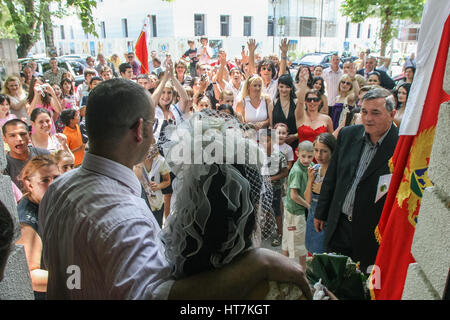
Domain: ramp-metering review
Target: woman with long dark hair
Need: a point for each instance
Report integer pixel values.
(402, 98)
(284, 108)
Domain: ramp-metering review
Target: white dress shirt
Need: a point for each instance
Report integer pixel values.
(93, 220)
(332, 84)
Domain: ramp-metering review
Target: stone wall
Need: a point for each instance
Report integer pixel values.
(427, 277)
(16, 284)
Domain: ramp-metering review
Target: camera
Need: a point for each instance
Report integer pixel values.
(41, 89)
(203, 77)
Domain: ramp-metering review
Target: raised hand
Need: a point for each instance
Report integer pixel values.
(284, 46)
(62, 139)
(223, 58)
(352, 71)
(252, 45)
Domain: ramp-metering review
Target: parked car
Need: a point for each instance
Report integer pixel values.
(81, 58)
(397, 57)
(313, 59)
(320, 58)
(43, 64)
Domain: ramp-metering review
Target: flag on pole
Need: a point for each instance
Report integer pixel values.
(141, 50)
(411, 158)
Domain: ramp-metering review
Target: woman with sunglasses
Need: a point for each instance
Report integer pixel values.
(310, 122)
(266, 68)
(348, 90)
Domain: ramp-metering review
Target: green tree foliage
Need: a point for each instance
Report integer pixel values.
(23, 19)
(386, 10)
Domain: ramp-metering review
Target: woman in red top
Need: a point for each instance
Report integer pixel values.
(310, 122)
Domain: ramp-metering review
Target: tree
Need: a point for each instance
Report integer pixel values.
(24, 19)
(387, 11)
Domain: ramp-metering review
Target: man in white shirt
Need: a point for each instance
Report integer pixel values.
(332, 75)
(100, 239)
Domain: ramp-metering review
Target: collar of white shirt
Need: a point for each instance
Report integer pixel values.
(113, 170)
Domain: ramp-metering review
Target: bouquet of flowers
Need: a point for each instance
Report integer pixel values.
(340, 275)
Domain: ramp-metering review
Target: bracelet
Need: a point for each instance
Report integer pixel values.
(284, 58)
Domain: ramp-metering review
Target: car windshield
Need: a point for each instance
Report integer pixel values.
(315, 59)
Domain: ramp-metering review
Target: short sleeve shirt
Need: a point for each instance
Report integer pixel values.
(14, 166)
(275, 163)
(298, 179)
(28, 213)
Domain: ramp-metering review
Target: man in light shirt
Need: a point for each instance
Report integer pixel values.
(95, 225)
(332, 75)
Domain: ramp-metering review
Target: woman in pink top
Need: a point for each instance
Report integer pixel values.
(42, 95)
(5, 115)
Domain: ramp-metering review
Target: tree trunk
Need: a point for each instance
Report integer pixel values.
(25, 44)
(47, 24)
(386, 32)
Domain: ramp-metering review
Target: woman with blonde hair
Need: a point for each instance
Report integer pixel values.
(17, 96)
(254, 106)
(37, 175)
(348, 90)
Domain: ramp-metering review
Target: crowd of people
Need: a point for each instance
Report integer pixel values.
(326, 135)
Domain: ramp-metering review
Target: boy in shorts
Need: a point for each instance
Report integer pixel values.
(277, 170)
(295, 205)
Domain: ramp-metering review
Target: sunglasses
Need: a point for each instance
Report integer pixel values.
(130, 57)
(266, 68)
(347, 83)
(312, 99)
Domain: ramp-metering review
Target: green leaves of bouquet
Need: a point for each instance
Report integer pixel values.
(340, 275)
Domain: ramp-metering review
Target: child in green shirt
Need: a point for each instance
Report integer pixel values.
(294, 224)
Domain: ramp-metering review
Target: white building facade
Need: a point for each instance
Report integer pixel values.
(310, 25)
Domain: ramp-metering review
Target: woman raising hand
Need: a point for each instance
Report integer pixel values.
(310, 122)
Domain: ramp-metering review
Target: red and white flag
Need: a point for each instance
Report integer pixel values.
(141, 50)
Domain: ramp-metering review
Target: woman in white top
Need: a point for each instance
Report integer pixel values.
(18, 98)
(254, 106)
(42, 137)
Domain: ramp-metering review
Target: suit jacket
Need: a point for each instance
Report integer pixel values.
(386, 81)
(338, 181)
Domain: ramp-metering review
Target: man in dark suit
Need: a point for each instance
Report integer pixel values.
(355, 185)
(369, 66)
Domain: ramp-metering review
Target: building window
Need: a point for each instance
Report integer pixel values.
(270, 27)
(369, 31)
(330, 29)
(247, 26)
(154, 32)
(347, 29)
(125, 28)
(61, 29)
(199, 24)
(102, 30)
(308, 27)
(224, 26)
(71, 33)
(358, 32)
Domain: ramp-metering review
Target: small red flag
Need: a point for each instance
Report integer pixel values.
(141, 50)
